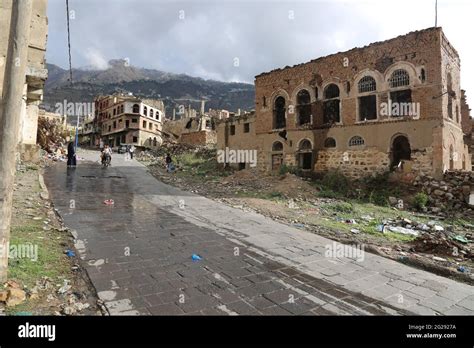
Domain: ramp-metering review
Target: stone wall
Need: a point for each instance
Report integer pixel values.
(353, 163)
(199, 138)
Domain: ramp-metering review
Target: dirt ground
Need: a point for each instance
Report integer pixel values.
(50, 278)
(296, 201)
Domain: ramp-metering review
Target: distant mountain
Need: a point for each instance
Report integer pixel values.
(174, 89)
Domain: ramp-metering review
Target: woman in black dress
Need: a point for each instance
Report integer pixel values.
(71, 155)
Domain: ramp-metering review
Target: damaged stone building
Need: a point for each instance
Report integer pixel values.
(391, 105)
(36, 72)
(126, 119)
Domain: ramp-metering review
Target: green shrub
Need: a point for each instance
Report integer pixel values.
(342, 207)
(420, 200)
(335, 181)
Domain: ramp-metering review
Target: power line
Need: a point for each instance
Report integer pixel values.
(69, 41)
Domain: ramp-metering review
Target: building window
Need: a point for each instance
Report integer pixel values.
(305, 155)
(136, 108)
(402, 100)
(356, 141)
(277, 146)
(121, 109)
(367, 84)
(279, 113)
(450, 95)
(145, 110)
(331, 109)
(151, 113)
(232, 130)
(264, 101)
(150, 126)
(115, 124)
(399, 78)
(423, 75)
(144, 124)
(303, 107)
(330, 142)
(367, 103)
(368, 107)
(115, 111)
(157, 116)
(134, 120)
(135, 139)
(246, 127)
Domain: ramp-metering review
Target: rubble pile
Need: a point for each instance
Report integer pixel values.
(51, 138)
(451, 192)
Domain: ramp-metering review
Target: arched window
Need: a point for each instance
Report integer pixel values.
(367, 84)
(151, 113)
(331, 104)
(136, 108)
(277, 146)
(279, 113)
(305, 145)
(115, 111)
(121, 109)
(154, 141)
(303, 107)
(330, 142)
(356, 141)
(145, 110)
(367, 102)
(157, 115)
(400, 99)
(399, 78)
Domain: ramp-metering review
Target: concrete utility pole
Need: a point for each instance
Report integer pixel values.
(10, 111)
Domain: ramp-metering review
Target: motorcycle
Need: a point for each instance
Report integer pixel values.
(106, 159)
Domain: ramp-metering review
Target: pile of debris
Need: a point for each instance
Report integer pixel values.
(51, 136)
(454, 191)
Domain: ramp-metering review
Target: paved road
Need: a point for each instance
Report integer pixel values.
(138, 255)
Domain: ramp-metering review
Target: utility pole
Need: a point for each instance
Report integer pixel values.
(10, 112)
(436, 13)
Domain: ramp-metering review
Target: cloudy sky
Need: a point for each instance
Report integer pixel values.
(234, 40)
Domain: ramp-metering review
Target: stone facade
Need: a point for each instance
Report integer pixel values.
(199, 130)
(238, 133)
(36, 73)
(341, 111)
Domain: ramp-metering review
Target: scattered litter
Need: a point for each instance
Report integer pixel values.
(351, 221)
(403, 230)
(299, 225)
(196, 257)
(70, 253)
(109, 202)
(437, 258)
(462, 269)
(461, 239)
(65, 288)
(355, 230)
(438, 228)
(381, 228)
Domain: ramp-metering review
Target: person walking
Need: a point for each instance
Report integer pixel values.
(132, 150)
(71, 155)
(101, 145)
(169, 162)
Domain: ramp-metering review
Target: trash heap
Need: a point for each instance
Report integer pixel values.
(451, 192)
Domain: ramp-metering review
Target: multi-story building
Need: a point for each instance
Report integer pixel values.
(36, 72)
(389, 105)
(125, 119)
